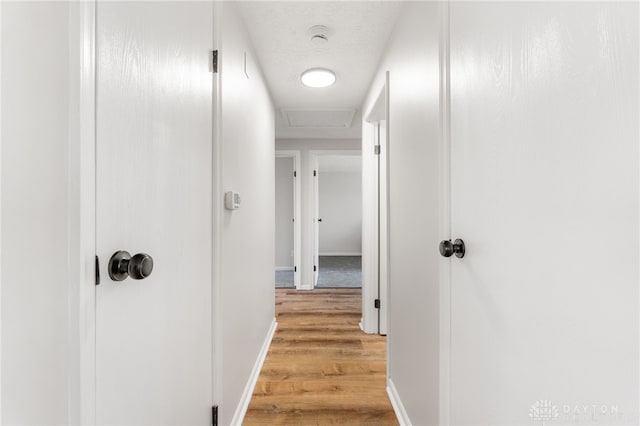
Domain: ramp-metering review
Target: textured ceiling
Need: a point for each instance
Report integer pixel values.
(357, 32)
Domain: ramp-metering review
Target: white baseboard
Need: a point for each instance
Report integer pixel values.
(284, 268)
(340, 254)
(302, 287)
(241, 409)
(396, 403)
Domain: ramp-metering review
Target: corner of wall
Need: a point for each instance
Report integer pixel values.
(247, 393)
(396, 403)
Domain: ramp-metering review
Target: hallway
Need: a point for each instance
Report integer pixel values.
(494, 161)
(321, 369)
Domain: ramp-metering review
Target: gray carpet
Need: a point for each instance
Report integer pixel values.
(340, 272)
(284, 279)
(335, 272)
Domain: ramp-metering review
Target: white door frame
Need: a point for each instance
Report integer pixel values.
(0, 214)
(445, 215)
(312, 207)
(297, 208)
(218, 214)
(82, 212)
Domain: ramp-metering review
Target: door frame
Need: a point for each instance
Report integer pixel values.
(0, 213)
(312, 209)
(218, 211)
(82, 214)
(445, 214)
(296, 155)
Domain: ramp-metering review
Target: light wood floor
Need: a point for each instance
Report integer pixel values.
(321, 369)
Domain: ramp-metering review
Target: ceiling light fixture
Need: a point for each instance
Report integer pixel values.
(318, 77)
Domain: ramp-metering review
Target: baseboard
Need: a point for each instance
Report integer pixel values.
(396, 403)
(284, 268)
(340, 254)
(241, 409)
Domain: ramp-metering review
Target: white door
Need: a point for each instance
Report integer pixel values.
(154, 169)
(383, 229)
(285, 214)
(317, 220)
(544, 192)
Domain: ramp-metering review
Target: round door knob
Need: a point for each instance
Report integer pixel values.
(140, 266)
(448, 248)
(122, 265)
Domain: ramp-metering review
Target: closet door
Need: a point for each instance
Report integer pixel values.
(154, 168)
(544, 194)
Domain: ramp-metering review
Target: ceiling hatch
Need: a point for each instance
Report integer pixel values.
(333, 118)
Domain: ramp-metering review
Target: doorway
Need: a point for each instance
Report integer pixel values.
(337, 210)
(287, 223)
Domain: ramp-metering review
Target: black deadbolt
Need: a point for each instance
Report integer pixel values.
(122, 265)
(448, 248)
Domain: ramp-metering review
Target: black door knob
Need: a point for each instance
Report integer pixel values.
(140, 266)
(448, 248)
(122, 265)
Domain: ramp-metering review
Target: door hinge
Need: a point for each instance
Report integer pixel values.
(315, 268)
(214, 415)
(97, 271)
(295, 174)
(295, 269)
(214, 60)
(376, 304)
(315, 173)
(377, 149)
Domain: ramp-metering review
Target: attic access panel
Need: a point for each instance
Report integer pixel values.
(329, 118)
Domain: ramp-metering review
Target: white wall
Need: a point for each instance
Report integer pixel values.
(35, 279)
(247, 235)
(414, 135)
(305, 173)
(284, 212)
(340, 197)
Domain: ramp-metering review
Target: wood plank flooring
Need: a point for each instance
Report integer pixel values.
(321, 369)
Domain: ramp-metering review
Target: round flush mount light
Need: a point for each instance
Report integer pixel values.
(318, 77)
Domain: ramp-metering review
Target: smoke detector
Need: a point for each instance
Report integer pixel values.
(319, 35)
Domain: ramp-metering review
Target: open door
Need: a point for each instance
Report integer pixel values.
(375, 247)
(383, 228)
(154, 213)
(288, 223)
(317, 220)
